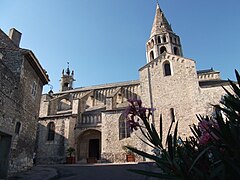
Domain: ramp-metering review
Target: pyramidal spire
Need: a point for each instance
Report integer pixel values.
(160, 23)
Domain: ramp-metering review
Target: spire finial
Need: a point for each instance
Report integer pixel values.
(68, 70)
(158, 6)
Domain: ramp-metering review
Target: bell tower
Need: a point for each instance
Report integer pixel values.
(66, 81)
(162, 38)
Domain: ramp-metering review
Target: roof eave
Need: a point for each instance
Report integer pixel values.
(36, 65)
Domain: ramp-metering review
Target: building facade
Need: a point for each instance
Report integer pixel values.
(21, 82)
(91, 120)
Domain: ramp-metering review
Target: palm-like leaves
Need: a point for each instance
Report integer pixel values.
(189, 159)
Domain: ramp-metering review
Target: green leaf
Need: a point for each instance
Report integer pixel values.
(194, 132)
(155, 137)
(235, 88)
(170, 148)
(169, 130)
(145, 142)
(144, 154)
(161, 131)
(175, 139)
(237, 76)
(199, 156)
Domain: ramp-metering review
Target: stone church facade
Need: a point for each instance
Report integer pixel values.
(90, 119)
(21, 82)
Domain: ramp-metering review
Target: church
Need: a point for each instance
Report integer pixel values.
(90, 119)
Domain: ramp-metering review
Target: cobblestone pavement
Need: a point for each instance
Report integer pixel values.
(85, 172)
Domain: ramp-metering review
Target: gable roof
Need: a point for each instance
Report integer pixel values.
(7, 44)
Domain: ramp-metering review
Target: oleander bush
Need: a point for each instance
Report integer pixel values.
(212, 152)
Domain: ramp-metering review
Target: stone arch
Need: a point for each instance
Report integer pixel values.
(151, 56)
(167, 68)
(124, 129)
(89, 146)
(152, 43)
(163, 49)
(164, 38)
(159, 39)
(176, 51)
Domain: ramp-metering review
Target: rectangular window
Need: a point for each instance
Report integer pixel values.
(172, 113)
(34, 88)
(17, 128)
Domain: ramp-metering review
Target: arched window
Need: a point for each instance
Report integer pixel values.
(163, 49)
(17, 128)
(151, 56)
(152, 43)
(176, 51)
(167, 69)
(175, 39)
(66, 84)
(164, 39)
(51, 131)
(124, 129)
(159, 39)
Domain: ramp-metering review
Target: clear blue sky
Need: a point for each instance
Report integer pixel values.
(104, 40)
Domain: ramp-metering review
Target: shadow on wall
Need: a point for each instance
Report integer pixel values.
(51, 146)
(5, 144)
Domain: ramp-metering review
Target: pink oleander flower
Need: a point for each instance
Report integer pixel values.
(135, 112)
(205, 139)
(205, 128)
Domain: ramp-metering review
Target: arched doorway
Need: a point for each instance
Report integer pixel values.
(89, 146)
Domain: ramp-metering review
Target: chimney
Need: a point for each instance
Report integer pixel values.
(15, 36)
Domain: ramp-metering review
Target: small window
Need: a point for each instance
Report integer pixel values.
(151, 56)
(163, 49)
(172, 113)
(152, 43)
(34, 88)
(51, 131)
(66, 84)
(17, 128)
(164, 38)
(167, 69)
(159, 39)
(124, 129)
(176, 51)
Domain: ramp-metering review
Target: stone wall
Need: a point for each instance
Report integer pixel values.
(9, 116)
(177, 91)
(209, 96)
(112, 146)
(19, 106)
(53, 151)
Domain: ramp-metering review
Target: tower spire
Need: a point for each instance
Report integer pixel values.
(160, 23)
(162, 38)
(67, 79)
